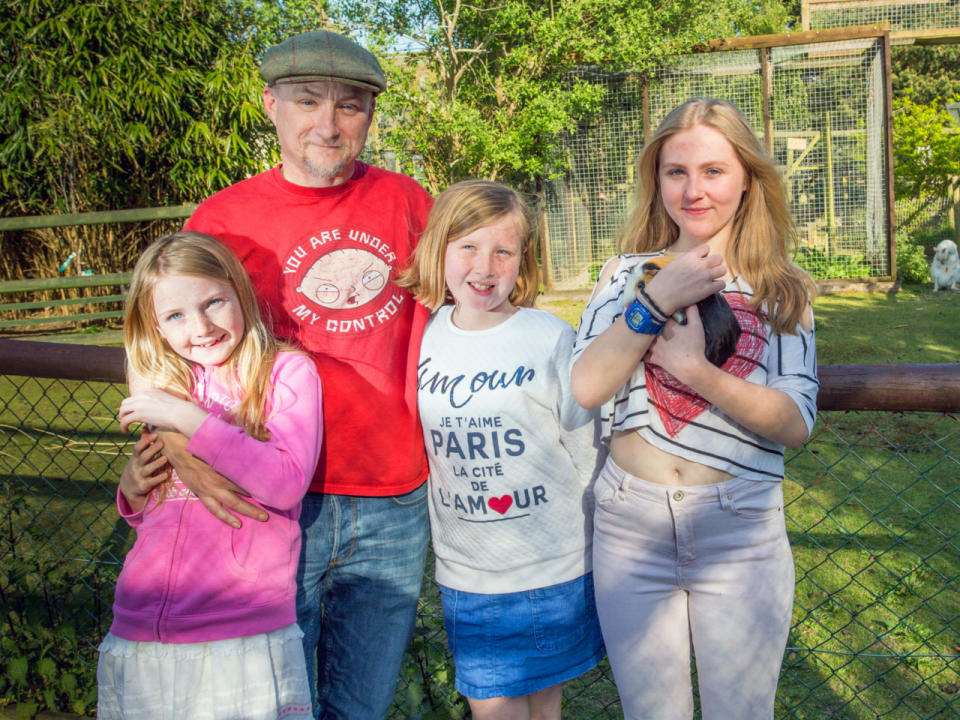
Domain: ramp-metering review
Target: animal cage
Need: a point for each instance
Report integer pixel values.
(910, 21)
(820, 104)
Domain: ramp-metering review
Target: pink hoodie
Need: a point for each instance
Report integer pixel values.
(190, 577)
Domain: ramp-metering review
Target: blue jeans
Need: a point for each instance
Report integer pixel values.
(361, 566)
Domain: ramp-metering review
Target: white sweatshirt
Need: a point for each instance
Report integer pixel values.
(512, 455)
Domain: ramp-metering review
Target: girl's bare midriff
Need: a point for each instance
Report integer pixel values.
(638, 457)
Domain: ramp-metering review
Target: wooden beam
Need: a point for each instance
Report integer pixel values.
(753, 42)
(933, 388)
(43, 304)
(821, 5)
(33, 222)
(59, 283)
(947, 36)
(28, 322)
(59, 360)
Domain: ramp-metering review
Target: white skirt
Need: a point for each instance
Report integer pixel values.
(260, 677)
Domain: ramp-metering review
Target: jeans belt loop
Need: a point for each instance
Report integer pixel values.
(724, 494)
(623, 486)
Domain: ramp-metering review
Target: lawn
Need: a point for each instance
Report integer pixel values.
(914, 325)
(872, 510)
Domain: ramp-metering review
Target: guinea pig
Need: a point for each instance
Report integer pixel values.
(720, 327)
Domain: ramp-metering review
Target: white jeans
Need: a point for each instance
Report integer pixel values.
(707, 565)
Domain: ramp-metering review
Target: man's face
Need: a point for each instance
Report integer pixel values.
(322, 127)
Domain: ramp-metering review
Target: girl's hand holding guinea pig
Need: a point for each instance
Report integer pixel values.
(691, 277)
(679, 349)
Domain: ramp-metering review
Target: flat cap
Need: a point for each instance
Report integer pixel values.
(322, 55)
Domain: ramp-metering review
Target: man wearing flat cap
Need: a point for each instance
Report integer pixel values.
(321, 235)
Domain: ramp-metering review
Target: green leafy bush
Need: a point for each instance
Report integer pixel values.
(926, 146)
(912, 263)
(111, 105)
(824, 267)
(45, 663)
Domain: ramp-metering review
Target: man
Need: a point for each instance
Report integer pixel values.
(321, 236)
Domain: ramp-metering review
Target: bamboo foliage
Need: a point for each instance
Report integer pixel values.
(111, 104)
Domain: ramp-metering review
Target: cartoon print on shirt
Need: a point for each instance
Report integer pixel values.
(337, 282)
(480, 445)
(345, 278)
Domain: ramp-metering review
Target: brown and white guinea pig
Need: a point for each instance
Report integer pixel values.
(720, 327)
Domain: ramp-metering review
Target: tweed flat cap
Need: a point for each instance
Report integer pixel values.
(322, 55)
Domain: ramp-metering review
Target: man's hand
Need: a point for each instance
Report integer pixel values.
(218, 494)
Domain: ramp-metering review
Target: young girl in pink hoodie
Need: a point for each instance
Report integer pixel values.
(204, 614)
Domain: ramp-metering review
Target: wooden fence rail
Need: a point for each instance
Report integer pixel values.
(35, 222)
(934, 388)
(90, 307)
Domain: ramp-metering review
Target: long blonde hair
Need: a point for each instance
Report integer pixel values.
(762, 228)
(249, 366)
(459, 210)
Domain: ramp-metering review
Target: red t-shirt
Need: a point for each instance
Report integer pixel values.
(321, 261)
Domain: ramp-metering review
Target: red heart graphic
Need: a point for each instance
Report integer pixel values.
(500, 504)
(676, 403)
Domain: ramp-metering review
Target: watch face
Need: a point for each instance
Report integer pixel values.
(639, 319)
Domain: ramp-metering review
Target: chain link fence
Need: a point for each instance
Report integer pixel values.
(825, 125)
(873, 513)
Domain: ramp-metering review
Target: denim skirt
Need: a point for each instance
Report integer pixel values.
(515, 644)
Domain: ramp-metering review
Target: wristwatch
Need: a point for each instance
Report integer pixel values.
(641, 320)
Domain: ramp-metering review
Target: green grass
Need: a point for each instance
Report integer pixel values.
(915, 325)
(872, 506)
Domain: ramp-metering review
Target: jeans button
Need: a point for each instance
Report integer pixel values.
(678, 495)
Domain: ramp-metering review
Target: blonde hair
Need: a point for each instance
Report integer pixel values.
(762, 227)
(249, 366)
(459, 210)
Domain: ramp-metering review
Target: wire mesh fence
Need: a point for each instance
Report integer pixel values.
(902, 16)
(826, 129)
(873, 513)
(923, 213)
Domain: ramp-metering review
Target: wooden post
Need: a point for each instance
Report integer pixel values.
(891, 200)
(831, 219)
(546, 269)
(645, 110)
(766, 75)
(954, 213)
